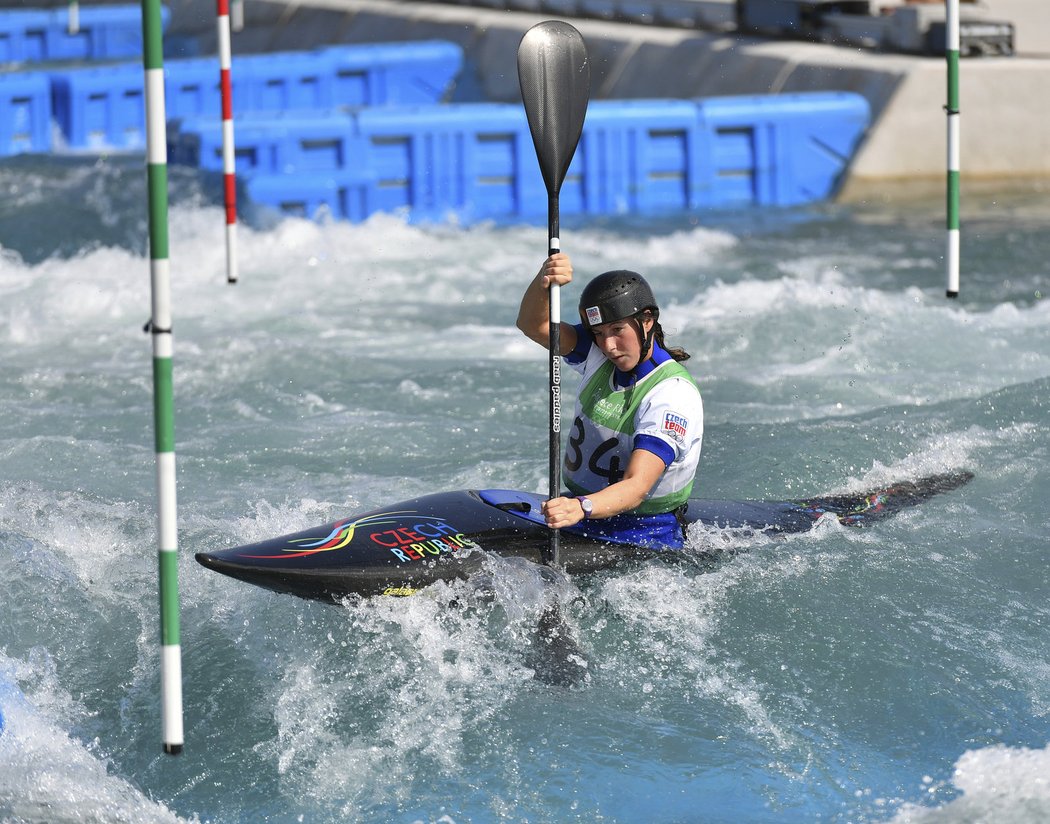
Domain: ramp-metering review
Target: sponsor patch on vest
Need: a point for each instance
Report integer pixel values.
(675, 425)
(594, 315)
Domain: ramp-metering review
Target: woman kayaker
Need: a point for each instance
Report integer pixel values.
(634, 445)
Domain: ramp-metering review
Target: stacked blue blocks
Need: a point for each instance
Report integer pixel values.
(477, 161)
(104, 33)
(27, 98)
(100, 107)
(329, 78)
(350, 131)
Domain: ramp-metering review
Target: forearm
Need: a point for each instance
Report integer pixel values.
(643, 471)
(534, 312)
(618, 498)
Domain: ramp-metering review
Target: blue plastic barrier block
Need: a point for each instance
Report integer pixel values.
(192, 142)
(274, 82)
(782, 150)
(472, 160)
(101, 107)
(104, 33)
(393, 73)
(289, 143)
(191, 88)
(353, 75)
(477, 161)
(25, 113)
(281, 81)
(277, 82)
(23, 35)
(341, 194)
(641, 156)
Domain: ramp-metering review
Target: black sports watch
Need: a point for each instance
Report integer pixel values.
(585, 505)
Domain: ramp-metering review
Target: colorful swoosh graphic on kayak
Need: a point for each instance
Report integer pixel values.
(872, 504)
(340, 535)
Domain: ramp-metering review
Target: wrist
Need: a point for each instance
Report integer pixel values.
(586, 507)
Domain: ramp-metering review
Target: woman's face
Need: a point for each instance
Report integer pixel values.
(620, 343)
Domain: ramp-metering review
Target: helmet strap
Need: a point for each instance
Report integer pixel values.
(644, 338)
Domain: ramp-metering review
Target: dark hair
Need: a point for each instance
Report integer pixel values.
(676, 352)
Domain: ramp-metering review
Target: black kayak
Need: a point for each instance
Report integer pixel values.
(399, 549)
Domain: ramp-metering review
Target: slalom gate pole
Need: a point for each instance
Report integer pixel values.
(163, 393)
(229, 169)
(952, 109)
(73, 26)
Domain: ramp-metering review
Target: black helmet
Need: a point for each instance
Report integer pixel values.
(614, 296)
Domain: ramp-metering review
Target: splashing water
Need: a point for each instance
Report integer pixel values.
(896, 673)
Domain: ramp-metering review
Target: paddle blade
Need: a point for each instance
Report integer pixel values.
(555, 80)
(555, 655)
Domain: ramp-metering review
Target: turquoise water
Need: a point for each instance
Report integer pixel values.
(892, 674)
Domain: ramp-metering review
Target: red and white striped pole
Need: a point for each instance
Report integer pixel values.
(228, 154)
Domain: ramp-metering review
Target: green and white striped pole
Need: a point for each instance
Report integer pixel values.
(952, 257)
(163, 393)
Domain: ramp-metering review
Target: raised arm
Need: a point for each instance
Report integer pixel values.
(534, 312)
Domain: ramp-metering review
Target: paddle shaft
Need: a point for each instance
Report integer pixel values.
(553, 555)
(554, 77)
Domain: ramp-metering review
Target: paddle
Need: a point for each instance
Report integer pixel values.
(554, 76)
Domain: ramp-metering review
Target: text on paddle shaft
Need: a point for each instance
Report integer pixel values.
(556, 395)
(420, 540)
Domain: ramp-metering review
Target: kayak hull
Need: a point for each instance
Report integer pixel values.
(399, 549)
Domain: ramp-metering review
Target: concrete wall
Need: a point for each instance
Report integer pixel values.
(1004, 130)
(1005, 124)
